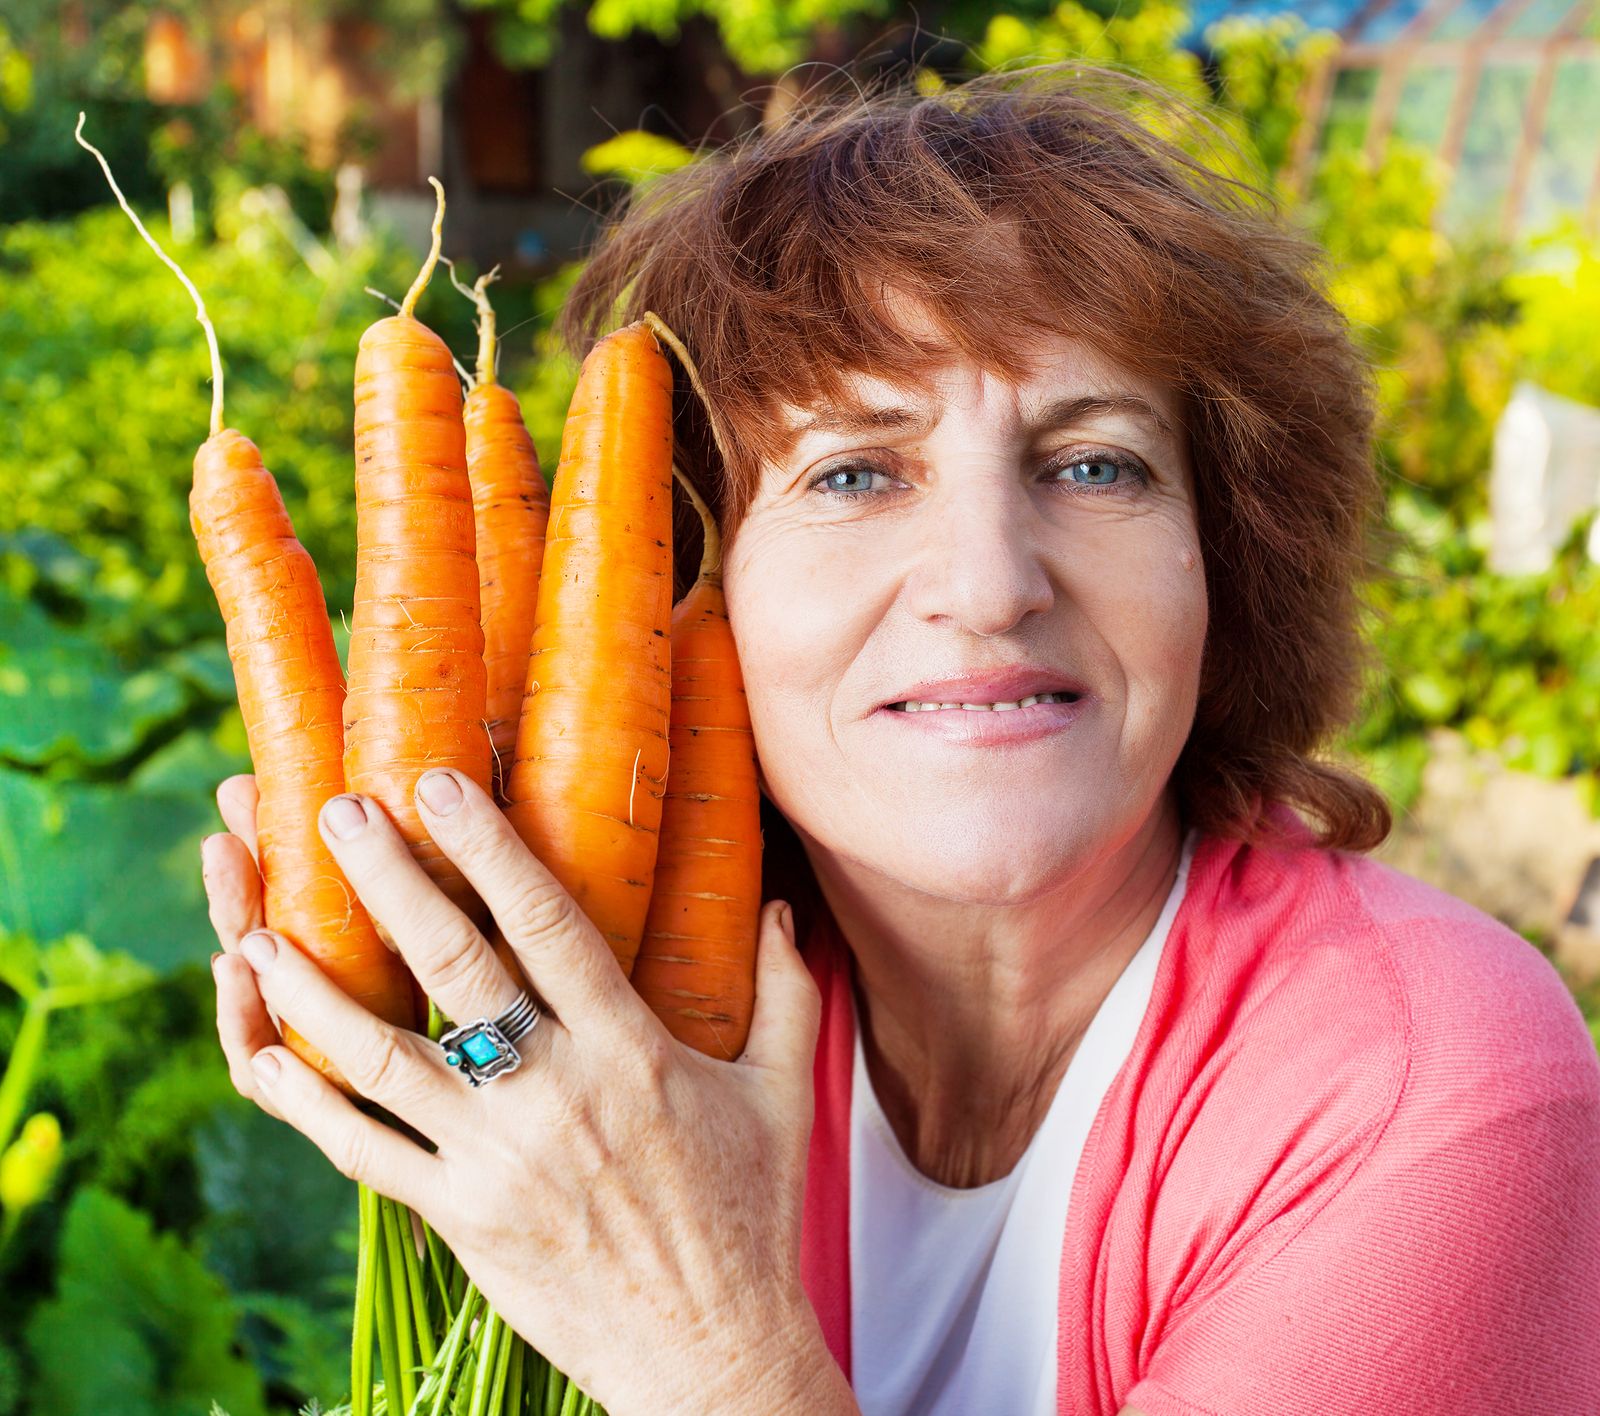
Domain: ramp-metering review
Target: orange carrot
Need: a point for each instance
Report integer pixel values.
(697, 963)
(591, 763)
(290, 689)
(417, 679)
(510, 506)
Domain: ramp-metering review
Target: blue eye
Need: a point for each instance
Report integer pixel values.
(827, 481)
(1101, 471)
(1093, 471)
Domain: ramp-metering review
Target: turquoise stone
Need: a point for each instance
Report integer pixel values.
(481, 1048)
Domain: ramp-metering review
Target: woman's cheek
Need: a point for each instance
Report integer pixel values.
(789, 637)
(1163, 652)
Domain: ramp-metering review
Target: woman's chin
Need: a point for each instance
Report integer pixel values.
(994, 869)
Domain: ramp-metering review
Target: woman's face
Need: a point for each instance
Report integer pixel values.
(974, 541)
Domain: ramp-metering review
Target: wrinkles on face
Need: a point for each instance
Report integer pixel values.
(1049, 522)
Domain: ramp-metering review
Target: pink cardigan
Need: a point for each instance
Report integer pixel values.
(1351, 1164)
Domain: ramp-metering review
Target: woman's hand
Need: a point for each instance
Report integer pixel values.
(631, 1207)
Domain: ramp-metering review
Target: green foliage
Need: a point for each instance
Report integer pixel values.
(16, 78)
(1262, 66)
(69, 849)
(1142, 39)
(70, 971)
(1512, 662)
(636, 157)
(64, 696)
(286, 1249)
(761, 36)
(101, 350)
(162, 1329)
(207, 1248)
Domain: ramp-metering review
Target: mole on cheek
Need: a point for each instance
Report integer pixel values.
(1188, 560)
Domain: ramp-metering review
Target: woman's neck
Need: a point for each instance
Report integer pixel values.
(971, 1014)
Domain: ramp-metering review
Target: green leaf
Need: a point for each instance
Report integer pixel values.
(75, 966)
(155, 1123)
(137, 1325)
(70, 967)
(295, 1236)
(1431, 697)
(636, 156)
(64, 695)
(56, 703)
(120, 866)
(196, 761)
(206, 667)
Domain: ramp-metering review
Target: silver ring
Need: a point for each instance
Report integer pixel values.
(484, 1050)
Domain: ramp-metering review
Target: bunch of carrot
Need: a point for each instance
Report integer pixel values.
(528, 639)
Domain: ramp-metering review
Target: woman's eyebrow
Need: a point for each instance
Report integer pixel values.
(859, 419)
(1091, 405)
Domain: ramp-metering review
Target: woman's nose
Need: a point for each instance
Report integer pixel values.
(978, 563)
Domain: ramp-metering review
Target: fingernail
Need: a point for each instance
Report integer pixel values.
(786, 919)
(440, 792)
(259, 949)
(214, 959)
(266, 1068)
(345, 817)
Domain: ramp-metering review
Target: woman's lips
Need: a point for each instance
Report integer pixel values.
(989, 727)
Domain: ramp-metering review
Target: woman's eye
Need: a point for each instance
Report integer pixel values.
(847, 481)
(1093, 471)
(1102, 471)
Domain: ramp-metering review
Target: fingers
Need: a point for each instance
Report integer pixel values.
(401, 1071)
(449, 957)
(237, 800)
(360, 1147)
(788, 1006)
(560, 949)
(233, 888)
(243, 1025)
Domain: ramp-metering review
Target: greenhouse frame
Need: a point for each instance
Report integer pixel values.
(1505, 94)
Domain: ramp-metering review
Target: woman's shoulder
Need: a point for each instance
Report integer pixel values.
(1383, 965)
(1361, 1114)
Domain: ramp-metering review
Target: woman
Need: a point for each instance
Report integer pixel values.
(1113, 1076)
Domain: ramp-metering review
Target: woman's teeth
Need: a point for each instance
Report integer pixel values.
(913, 706)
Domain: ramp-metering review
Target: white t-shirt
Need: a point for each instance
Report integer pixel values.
(953, 1293)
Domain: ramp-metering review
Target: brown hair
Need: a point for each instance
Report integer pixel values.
(1043, 201)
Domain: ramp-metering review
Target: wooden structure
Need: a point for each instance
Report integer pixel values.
(1477, 81)
(507, 143)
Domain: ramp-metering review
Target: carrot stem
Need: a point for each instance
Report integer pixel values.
(172, 265)
(421, 1315)
(663, 331)
(488, 351)
(711, 555)
(437, 1256)
(361, 1333)
(513, 1392)
(570, 1399)
(441, 1379)
(489, 1340)
(383, 1314)
(408, 306)
(402, 1377)
(502, 1371)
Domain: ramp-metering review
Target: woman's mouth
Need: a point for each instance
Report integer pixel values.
(913, 706)
(1028, 719)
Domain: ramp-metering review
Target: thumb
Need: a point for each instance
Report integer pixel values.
(788, 1006)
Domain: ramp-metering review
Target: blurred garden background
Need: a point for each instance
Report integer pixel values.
(161, 1244)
